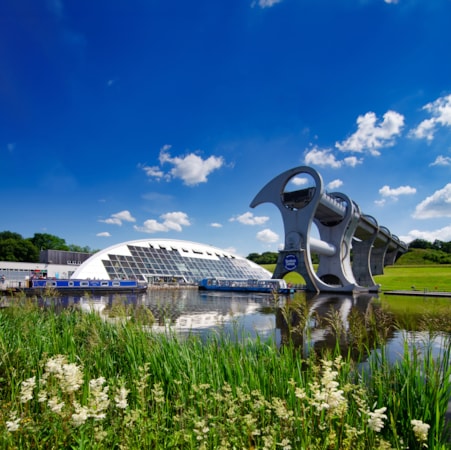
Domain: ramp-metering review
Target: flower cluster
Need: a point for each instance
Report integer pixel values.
(420, 430)
(376, 419)
(59, 383)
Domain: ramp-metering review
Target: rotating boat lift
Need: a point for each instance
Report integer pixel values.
(341, 226)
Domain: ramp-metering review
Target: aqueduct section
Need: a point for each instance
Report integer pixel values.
(342, 227)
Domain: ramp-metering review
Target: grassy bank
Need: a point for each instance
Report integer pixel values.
(427, 277)
(398, 277)
(71, 380)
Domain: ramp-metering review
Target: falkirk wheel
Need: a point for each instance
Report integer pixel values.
(341, 226)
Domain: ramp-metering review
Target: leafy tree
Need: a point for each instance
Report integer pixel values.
(253, 256)
(446, 247)
(420, 243)
(13, 247)
(45, 241)
(19, 250)
(9, 235)
(77, 248)
(264, 258)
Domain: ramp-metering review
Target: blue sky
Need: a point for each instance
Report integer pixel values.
(123, 120)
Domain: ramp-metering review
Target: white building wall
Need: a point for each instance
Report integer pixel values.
(21, 271)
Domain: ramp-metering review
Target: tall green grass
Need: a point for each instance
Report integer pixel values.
(72, 380)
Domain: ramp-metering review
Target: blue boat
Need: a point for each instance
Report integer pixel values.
(70, 286)
(241, 285)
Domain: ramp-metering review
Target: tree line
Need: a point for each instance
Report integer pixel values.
(14, 247)
(271, 258)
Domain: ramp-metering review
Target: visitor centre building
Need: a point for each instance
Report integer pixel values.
(153, 261)
(164, 260)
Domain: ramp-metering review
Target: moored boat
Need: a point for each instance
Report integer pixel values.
(72, 286)
(242, 285)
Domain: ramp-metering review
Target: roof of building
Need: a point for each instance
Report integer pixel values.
(167, 259)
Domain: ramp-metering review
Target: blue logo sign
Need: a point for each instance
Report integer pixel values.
(290, 262)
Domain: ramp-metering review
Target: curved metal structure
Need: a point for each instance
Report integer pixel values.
(342, 227)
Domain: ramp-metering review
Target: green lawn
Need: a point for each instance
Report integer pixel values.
(429, 277)
(397, 277)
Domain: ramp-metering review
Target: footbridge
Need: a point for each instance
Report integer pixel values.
(352, 246)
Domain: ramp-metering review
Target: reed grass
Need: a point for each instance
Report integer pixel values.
(70, 379)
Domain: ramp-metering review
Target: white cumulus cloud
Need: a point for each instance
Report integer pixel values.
(119, 218)
(267, 236)
(325, 158)
(437, 205)
(265, 3)
(248, 218)
(352, 161)
(299, 181)
(322, 158)
(441, 161)
(440, 110)
(152, 171)
(371, 135)
(170, 221)
(387, 191)
(103, 234)
(216, 225)
(442, 234)
(191, 168)
(334, 184)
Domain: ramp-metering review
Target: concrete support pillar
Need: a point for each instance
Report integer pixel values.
(336, 268)
(390, 256)
(377, 259)
(361, 251)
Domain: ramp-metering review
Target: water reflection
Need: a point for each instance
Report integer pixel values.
(325, 321)
(311, 322)
(191, 311)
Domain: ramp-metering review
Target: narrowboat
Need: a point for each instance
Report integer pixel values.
(241, 285)
(73, 286)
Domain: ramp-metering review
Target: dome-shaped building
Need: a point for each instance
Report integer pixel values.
(167, 260)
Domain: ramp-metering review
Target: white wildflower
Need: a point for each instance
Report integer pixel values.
(55, 406)
(99, 401)
(420, 430)
(327, 396)
(72, 378)
(300, 393)
(80, 416)
(285, 444)
(54, 365)
(201, 430)
(26, 389)
(70, 375)
(121, 397)
(42, 396)
(376, 419)
(13, 423)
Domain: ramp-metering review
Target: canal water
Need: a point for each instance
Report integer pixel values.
(251, 315)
